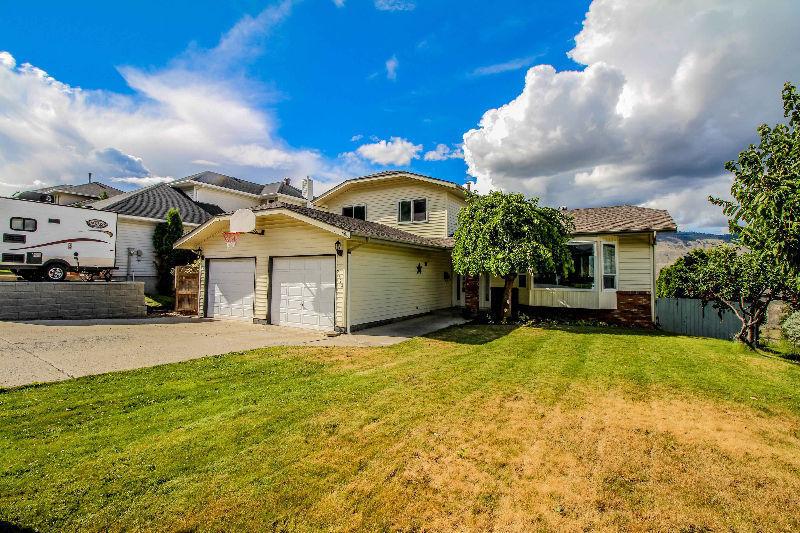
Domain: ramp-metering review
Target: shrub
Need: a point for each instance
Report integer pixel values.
(791, 328)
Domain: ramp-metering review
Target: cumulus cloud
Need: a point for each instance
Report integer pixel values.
(396, 151)
(143, 181)
(443, 152)
(391, 68)
(194, 113)
(669, 92)
(394, 5)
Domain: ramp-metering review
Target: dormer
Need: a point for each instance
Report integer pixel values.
(412, 202)
(231, 193)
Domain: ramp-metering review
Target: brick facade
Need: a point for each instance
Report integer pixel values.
(471, 295)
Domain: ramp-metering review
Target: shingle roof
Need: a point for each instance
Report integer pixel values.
(249, 187)
(155, 201)
(621, 219)
(388, 174)
(91, 190)
(360, 228)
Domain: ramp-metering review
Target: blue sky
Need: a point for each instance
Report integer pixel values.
(579, 103)
(323, 70)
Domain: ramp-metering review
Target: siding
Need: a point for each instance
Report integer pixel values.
(381, 201)
(139, 236)
(635, 263)
(384, 283)
(283, 237)
(454, 205)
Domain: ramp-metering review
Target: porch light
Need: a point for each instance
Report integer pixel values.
(338, 247)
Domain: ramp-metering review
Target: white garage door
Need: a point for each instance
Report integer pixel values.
(303, 290)
(231, 288)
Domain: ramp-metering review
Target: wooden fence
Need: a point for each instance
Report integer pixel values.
(187, 289)
(688, 317)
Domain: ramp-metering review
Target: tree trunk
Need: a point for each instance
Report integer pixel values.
(509, 285)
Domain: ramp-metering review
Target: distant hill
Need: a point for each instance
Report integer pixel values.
(671, 246)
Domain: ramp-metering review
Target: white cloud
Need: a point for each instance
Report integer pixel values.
(396, 151)
(339, 3)
(394, 5)
(671, 90)
(443, 152)
(199, 111)
(356, 138)
(507, 66)
(143, 182)
(391, 68)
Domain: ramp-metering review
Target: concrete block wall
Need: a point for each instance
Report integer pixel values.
(23, 300)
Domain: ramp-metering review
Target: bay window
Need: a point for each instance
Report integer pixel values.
(582, 276)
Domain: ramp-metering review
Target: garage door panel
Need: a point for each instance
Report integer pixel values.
(303, 292)
(231, 289)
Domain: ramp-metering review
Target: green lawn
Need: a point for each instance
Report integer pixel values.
(477, 428)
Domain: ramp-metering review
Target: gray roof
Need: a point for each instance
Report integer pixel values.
(249, 187)
(360, 228)
(90, 190)
(155, 201)
(621, 219)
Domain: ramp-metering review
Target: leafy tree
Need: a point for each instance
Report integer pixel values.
(164, 238)
(729, 278)
(765, 211)
(507, 234)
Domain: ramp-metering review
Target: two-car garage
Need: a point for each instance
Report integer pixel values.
(302, 290)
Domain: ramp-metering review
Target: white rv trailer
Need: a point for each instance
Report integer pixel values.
(44, 241)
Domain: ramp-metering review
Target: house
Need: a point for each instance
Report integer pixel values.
(198, 198)
(378, 248)
(71, 194)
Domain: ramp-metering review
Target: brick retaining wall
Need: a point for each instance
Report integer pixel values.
(23, 300)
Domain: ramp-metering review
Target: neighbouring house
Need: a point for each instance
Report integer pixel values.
(378, 248)
(198, 198)
(73, 195)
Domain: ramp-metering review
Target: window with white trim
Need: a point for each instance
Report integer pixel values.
(609, 266)
(412, 210)
(22, 224)
(582, 275)
(355, 211)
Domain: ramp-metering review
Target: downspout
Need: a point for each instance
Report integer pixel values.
(128, 270)
(653, 286)
(347, 290)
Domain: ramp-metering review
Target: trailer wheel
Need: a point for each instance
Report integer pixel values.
(55, 272)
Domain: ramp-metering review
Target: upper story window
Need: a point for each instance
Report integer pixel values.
(582, 276)
(412, 210)
(355, 211)
(23, 224)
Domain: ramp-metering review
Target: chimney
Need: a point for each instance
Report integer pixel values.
(468, 185)
(287, 181)
(90, 177)
(308, 189)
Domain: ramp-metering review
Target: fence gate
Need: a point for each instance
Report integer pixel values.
(187, 290)
(688, 317)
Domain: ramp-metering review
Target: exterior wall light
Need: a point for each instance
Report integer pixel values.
(338, 247)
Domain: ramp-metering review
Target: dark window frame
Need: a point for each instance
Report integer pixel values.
(412, 204)
(24, 223)
(352, 209)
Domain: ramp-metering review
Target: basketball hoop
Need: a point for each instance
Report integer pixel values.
(231, 238)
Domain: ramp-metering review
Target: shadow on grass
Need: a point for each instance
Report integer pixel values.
(14, 528)
(471, 333)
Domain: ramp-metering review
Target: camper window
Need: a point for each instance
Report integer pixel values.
(23, 224)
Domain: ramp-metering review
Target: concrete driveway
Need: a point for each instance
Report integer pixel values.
(54, 350)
